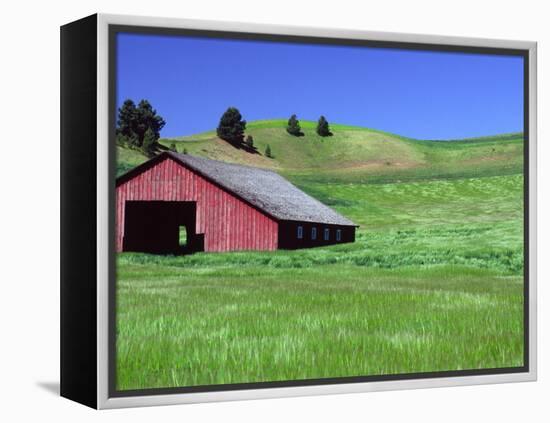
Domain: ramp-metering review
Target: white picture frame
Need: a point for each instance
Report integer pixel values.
(103, 247)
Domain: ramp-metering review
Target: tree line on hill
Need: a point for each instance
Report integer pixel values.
(139, 126)
(232, 128)
(293, 127)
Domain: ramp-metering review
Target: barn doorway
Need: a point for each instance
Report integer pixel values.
(183, 236)
(161, 227)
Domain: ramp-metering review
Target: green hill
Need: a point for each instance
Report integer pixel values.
(353, 154)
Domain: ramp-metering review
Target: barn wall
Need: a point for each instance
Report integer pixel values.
(288, 238)
(228, 223)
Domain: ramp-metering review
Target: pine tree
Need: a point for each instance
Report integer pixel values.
(322, 127)
(231, 127)
(127, 114)
(249, 141)
(293, 127)
(133, 121)
(268, 152)
(147, 118)
(149, 142)
(173, 147)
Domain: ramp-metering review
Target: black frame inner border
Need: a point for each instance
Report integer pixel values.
(113, 30)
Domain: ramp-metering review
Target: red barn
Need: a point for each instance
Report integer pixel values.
(176, 203)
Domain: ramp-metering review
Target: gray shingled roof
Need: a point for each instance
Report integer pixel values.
(264, 189)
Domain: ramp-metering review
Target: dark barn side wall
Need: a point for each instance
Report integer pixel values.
(288, 235)
(228, 223)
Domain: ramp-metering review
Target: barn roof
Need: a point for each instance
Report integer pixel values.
(264, 189)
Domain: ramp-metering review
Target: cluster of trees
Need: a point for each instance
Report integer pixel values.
(231, 129)
(139, 126)
(232, 126)
(293, 127)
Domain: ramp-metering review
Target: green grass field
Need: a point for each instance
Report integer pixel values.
(433, 282)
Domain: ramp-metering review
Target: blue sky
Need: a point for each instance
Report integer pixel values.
(420, 94)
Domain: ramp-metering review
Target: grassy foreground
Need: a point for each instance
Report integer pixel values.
(433, 282)
(199, 326)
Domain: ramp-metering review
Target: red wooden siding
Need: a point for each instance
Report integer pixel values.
(228, 223)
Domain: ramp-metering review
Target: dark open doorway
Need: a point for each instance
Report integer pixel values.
(161, 227)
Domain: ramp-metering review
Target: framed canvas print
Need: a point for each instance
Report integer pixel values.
(253, 211)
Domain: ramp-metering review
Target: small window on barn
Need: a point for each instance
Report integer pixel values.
(314, 233)
(300, 232)
(338, 234)
(327, 234)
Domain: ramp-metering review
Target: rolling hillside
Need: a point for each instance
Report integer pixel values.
(433, 282)
(353, 154)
